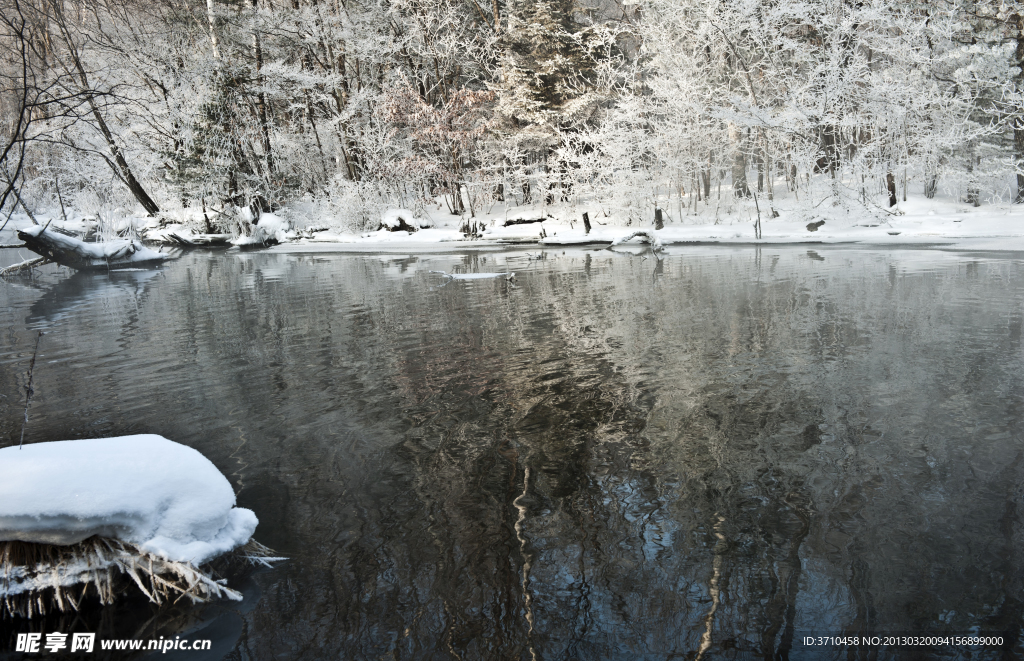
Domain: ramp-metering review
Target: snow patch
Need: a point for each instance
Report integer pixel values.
(165, 497)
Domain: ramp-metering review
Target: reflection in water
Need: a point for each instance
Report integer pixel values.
(710, 454)
(84, 288)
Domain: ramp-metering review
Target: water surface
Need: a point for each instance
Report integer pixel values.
(711, 455)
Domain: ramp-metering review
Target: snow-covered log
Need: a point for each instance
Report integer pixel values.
(523, 221)
(69, 251)
(199, 240)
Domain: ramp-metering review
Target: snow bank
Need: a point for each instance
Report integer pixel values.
(165, 497)
(933, 223)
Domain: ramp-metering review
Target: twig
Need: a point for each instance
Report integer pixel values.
(28, 388)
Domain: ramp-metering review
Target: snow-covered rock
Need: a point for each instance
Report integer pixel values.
(165, 497)
(395, 220)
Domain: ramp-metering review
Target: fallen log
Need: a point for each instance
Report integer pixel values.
(212, 240)
(69, 251)
(522, 221)
(200, 240)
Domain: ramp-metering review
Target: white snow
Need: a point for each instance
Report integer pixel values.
(163, 496)
(942, 222)
(935, 223)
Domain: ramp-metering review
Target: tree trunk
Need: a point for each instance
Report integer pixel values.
(126, 173)
(261, 99)
(830, 145)
(739, 161)
(760, 171)
(211, 17)
(1018, 147)
(890, 185)
(973, 192)
(1017, 20)
(121, 169)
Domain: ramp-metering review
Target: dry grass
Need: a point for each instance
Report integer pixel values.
(38, 578)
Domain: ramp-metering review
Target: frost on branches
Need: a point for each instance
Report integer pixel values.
(330, 112)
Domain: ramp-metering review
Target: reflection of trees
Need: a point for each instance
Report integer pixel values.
(699, 468)
(122, 289)
(651, 500)
(117, 297)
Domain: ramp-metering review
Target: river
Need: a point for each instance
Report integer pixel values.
(716, 454)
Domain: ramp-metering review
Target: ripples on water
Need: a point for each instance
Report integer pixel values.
(710, 455)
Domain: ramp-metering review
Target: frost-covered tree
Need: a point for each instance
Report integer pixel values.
(221, 104)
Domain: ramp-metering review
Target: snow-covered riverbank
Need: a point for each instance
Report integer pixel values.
(919, 222)
(932, 223)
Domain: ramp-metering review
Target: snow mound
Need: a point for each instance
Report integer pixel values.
(165, 497)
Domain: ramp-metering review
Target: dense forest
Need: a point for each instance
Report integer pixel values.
(342, 108)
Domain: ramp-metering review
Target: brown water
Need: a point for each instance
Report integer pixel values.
(713, 455)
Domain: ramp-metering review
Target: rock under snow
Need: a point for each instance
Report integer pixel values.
(165, 497)
(395, 220)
